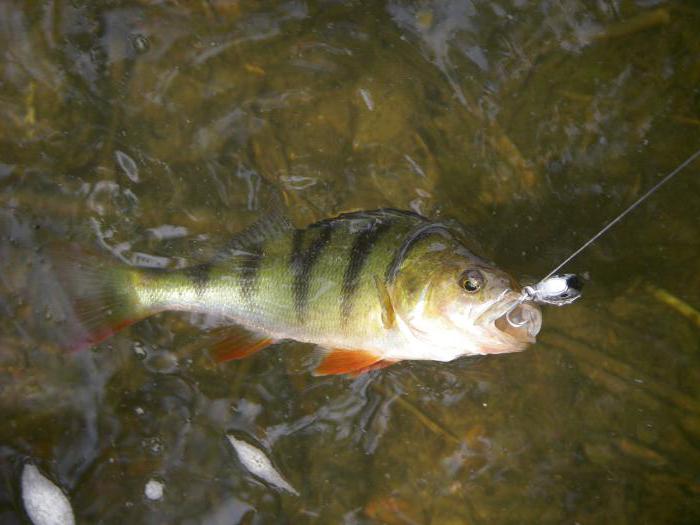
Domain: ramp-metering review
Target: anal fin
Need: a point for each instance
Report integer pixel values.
(343, 361)
(230, 343)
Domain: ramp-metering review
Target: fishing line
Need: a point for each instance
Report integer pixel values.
(632, 206)
(564, 289)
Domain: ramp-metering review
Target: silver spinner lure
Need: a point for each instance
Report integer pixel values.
(560, 290)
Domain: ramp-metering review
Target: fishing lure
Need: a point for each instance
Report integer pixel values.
(559, 290)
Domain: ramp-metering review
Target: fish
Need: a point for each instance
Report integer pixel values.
(368, 288)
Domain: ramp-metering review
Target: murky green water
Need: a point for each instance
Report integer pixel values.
(157, 129)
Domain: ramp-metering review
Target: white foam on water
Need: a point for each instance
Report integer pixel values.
(44, 502)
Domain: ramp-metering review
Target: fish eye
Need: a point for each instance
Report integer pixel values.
(471, 281)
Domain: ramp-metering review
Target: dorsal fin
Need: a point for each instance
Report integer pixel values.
(272, 223)
(371, 216)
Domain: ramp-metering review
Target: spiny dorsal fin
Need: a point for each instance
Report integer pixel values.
(272, 223)
(267, 227)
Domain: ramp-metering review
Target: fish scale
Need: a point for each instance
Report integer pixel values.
(335, 272)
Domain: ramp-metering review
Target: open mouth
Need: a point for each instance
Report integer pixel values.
(523, 322)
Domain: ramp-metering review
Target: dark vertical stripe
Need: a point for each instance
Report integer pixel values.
(302, 263)
(297, 254)
(249, 273)
(360, 251)
(296, 259)
(199, 277)
(413, 237)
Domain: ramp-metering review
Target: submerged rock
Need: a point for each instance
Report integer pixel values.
(44, 502)
(154, 490)
(259, 465)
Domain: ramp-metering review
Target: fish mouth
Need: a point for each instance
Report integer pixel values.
(521, 322)
(516, 321)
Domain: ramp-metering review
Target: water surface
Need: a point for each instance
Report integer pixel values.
(156, 130)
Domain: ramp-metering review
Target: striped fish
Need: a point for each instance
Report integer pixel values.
(370, 288)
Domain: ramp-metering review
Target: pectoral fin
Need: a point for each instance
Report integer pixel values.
(342, 361)
(388, 314)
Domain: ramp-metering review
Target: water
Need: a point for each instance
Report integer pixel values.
(156, 130)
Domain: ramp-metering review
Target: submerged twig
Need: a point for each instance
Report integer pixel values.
(675, 303)
(636, 24)
(30, 116)
(618, 386)
(685, 120)
(640, 451)
(622, 370)
(421, 416)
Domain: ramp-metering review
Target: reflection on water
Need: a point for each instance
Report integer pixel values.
(155, 130)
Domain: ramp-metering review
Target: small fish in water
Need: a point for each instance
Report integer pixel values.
(372, 288)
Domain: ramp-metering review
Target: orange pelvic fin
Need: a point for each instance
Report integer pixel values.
(376, 366)
(230, 343)
(343, 361)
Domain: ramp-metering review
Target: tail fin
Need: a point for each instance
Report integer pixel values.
(101, 292)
